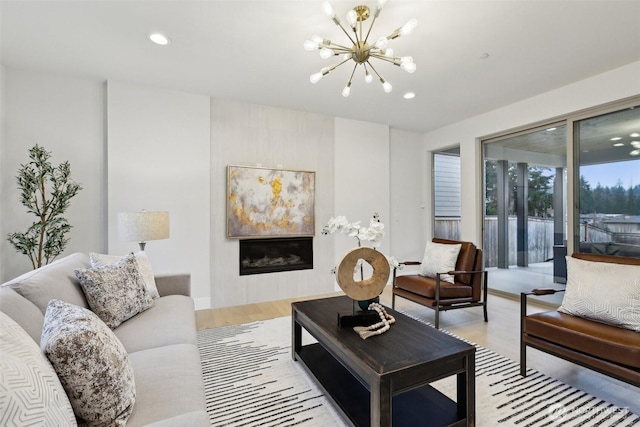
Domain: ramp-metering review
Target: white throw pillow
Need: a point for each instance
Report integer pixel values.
(115, 292)
(604, 292)
(91, 362)
(144, 265)
(440, 258)
(30, 387)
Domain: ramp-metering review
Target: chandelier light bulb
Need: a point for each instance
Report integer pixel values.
(346, 91)
(381, 4)
(387, 86)
(388, 53)
(368, 78)
(409, 67)
(326, 53)
(310, 45)
(382, 42)
(315, 77)
(328, 10)
(317, 39)
(406, 59)
(352, 18)
(408, 28)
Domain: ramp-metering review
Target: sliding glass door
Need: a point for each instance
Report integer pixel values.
(525, 199)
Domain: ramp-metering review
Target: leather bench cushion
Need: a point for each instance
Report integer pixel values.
(426, 286)
(607, 342)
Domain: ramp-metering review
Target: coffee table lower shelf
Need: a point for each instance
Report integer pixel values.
(424, 406)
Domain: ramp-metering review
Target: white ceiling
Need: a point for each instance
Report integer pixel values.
(252, 50)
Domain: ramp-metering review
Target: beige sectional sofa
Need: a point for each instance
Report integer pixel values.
(160, 341)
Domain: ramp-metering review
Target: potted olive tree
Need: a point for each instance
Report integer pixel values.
(46, 192)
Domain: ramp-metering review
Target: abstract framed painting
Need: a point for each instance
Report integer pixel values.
(263, 202)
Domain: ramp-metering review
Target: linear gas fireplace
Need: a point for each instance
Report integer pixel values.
(278, 254)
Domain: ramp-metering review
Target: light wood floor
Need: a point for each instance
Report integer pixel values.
(500, 334)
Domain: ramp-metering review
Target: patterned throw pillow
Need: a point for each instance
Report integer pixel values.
(100, 260)
(30, 388)
(115, 292)
(604, 292)
(92, 364)
(440, 258)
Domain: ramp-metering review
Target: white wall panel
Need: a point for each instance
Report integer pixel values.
(158, 159)
(250, 134)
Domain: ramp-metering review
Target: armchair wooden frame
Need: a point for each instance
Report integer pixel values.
(469, 274)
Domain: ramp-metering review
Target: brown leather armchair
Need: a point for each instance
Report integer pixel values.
(468, 290)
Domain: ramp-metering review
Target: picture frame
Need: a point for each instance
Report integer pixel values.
(264, 202)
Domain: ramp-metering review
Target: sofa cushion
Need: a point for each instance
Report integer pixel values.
(115, 292)
(53, 281)
(604, 292)
(426, 287)
(168, 383)
(607, 342)
(34, 394)
(144, 266)
(439, 258)
(170, 321)
(92, 364)
(22, 311)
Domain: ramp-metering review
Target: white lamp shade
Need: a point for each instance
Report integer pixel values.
(143, 226)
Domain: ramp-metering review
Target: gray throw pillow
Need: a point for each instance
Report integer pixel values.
(115, 292)
(92, 364)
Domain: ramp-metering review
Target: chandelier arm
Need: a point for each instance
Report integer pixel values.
(352, 73)
(371, 26)
(338, 47)
(394, 60)
(339, 24)
(375, 71)
(334, 66)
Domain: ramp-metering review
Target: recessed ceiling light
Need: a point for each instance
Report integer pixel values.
(634, 135)
(635, 152)
(551, 129)
(159, 38)
(409, 95)
(619, 144)
(615, 138)
(484, 55)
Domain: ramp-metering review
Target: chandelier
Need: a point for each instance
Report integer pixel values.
(360, 51)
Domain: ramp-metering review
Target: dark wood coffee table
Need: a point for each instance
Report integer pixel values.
(366, 379)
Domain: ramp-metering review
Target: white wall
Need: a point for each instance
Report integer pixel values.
(607, 87)
(66, 116)
(408, 195)
(158, 160)
(361, 186)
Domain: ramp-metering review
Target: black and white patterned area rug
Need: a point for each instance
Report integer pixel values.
(251, 380)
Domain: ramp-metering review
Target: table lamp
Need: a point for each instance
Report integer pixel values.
(143, 226)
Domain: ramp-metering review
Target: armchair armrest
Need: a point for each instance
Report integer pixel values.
(543, 291)
(174, 284)
(465, 272)
(411, 263)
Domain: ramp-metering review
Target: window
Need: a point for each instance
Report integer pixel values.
(608, 149)
(446, 194)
